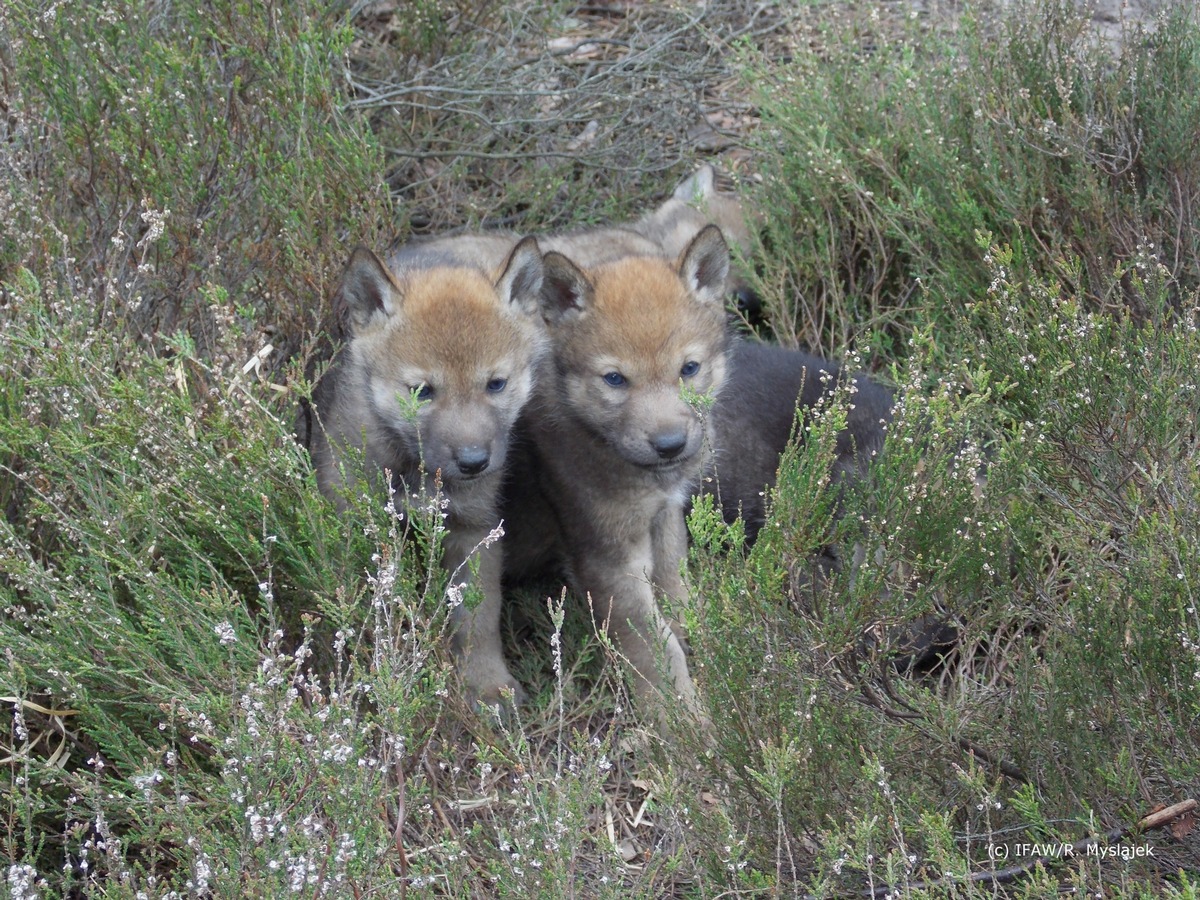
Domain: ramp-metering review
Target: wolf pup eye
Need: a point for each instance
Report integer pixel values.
(690, 368)
(422, 391)
(614, 379)
(496, 385)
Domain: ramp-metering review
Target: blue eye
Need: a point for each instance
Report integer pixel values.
(496, 385)
(689, 369)
(422, 391)
(614, 379)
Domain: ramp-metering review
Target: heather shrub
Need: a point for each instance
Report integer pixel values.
(886, 150)
(194, 657)
(188, 167)
(1037, 497)
(214, 683)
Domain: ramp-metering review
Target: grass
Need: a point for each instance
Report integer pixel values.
(217, 685)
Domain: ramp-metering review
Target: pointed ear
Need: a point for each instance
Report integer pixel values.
(367, 292)
(700, 185)
(566, 292)
(704, 266)
(521, 280)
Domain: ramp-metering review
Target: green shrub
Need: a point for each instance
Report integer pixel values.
(188, 634)
(1068, 574)
(189, 165)
(1100, 412)
(885, 153)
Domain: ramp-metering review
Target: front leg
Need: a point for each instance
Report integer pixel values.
(618, 581)
(668, 540)
(476, 640)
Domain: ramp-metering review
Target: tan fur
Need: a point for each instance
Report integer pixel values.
(466, 329)
(610, 462)
(462, 335)
(650, 313)
(699, 201)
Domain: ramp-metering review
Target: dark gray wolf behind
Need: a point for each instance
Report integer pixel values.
(755, 417)
(753, 420)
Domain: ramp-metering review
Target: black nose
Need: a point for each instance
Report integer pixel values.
(747, 301)
(669, 444)
(472, 460)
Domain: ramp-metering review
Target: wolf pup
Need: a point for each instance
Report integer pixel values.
(696, 202)
(755, 415)
(613, 443)
(440, 360)
(753, 421)
(699, 201)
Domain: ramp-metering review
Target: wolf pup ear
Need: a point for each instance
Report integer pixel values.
(367, 291)
(704, 265)
(521, 280)
(698, 186)
(566, 292)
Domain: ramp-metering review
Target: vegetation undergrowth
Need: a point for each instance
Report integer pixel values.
(190, 168)
(885, 152)
(216, 684)
(1064, 557)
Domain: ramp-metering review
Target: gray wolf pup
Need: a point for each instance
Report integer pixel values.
(753, 420)
(695, 203)
(612, 442)
(698, 201)
(440, 360)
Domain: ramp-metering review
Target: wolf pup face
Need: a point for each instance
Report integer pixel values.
(629, 337)
(448, 357)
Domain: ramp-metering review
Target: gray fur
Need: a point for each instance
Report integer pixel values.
(604, 472)
(754, 419)
(470, 333)
(755, 416)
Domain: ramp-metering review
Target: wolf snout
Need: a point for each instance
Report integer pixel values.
(473, 459)
(669, 444)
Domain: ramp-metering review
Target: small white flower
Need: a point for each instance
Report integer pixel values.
(22, 882)
(156, 220)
